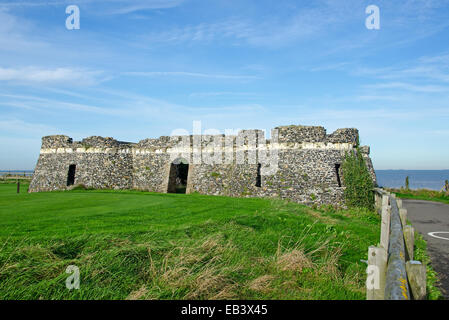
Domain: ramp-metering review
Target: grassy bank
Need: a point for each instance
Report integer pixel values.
(433, 292)
(422, 194)
(140, 245)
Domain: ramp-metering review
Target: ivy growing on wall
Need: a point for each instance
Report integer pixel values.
(357, 180)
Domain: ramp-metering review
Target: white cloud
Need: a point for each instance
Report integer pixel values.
(20, 126)
(303, 24)
(42, 104)
(429, 68)
(101, 6)
(190, 74)
(133, 6)
(222, 93)
(12, 34)
(409, 87)
(57, 75)
(374, 97)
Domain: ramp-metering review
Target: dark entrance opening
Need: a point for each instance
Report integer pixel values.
(71, 175)
(177, 182)
(259, 177)
(337, 170)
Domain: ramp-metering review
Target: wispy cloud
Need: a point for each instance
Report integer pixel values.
(222, 93)
(429, 68)
(409, 87)
(307, 23)
(444, 133)
(106, 6)
(13, 31)
(51, 105)
(133, 6)
(122, 104)
(20, 126)
(57, 75)
(374, 97)
(205, 32)
(190, 74)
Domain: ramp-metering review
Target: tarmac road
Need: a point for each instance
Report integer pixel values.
(431, 219)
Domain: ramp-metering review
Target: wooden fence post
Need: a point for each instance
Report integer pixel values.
(377, 265)
(403, 216)
(409, 239)
(385, 227)
(377, 202)
(385, 200)
(416, 273)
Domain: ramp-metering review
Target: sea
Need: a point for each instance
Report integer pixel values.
(418, 179)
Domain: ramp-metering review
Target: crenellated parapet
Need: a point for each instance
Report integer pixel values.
(299, 134)
(285, 137)
(56, 141)
(66, 142)
(314, 134)
(348, 135)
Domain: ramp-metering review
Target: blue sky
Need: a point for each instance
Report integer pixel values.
(138, 69)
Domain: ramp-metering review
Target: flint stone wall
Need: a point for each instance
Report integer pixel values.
(306, 159)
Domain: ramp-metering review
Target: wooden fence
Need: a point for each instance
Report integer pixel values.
(392, 272)
(13, 174)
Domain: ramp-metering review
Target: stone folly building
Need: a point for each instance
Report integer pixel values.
(300, 163)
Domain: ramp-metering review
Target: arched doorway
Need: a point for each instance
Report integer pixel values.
(179, 171)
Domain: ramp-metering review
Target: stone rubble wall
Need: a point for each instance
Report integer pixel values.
(306, 163)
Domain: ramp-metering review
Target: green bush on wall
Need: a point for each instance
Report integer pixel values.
(357, 180)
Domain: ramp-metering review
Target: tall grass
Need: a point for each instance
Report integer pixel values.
(140, 245)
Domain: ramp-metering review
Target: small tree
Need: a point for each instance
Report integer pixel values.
(446, 187)
(357, 181)
(407, 183)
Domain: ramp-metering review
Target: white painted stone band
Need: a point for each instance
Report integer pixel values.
(280, 146)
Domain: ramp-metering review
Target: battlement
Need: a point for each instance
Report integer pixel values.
(66, 142)
(300, 134)
(56, 141)
(252, 138)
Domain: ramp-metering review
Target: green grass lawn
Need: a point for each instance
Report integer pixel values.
(140, 245)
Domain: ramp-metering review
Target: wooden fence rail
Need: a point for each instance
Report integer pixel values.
(392, 272)
(5, 174)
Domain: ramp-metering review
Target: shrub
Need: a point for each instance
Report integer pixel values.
(357, 180)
